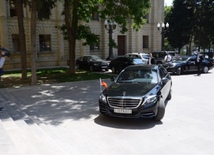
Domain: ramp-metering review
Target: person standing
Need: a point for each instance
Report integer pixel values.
(167, 58)
(151, 60)
(2, 60)
(198, 63)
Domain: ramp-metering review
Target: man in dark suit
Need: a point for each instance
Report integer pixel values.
(198, 62)
(151, 60)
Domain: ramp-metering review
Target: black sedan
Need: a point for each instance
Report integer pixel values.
(92, 63)
(139, 91)
(119, 63)
(188, 64)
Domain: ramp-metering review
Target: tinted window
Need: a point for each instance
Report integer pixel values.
(163, 72)
(137, 61)
(138, 75)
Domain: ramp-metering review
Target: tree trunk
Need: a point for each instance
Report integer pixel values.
(33, 42)
(20, 17)
(71, 25)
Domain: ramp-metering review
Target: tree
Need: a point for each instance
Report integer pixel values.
(203, 32)
(33, 41)
(44, 8)
(191, 21)
(181, 23)
(22, 43)
(120, 12)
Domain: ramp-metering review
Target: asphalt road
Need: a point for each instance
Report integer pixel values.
(70, 110)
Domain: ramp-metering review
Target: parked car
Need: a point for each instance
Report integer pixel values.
(188, 64)
(160, 55)
(143, 56)
(92, 63)
(139, 91)
(119, 63)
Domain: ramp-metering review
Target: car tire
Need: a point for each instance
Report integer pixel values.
(179, 71)
(205, 69)
(161, 110)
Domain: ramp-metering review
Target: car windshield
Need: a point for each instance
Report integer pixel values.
(145, 75)
(137, 61)
(96, 58)
(146, 56)
(181, 59)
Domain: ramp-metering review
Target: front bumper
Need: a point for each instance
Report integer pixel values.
(143, 111)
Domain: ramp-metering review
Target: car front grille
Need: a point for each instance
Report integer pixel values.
(124, 102)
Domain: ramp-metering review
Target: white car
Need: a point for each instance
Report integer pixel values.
(143, 56)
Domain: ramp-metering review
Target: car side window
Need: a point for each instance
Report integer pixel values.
(163, 72)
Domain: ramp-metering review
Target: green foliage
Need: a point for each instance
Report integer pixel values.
(180, 24)
(125, 11)
(188, 20)
(44, 8)
(51, 75)
(121, 12)
(84, 32)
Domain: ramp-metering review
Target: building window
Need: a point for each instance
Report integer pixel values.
(12, 9)
(45, 42)
(95, 46)
(15, 42)
(95, 16)
(145, 41)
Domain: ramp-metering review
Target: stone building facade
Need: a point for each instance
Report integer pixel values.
(52, 49)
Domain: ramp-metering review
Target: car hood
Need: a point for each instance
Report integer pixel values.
(175, 63)
(129, 89)
(101, 61)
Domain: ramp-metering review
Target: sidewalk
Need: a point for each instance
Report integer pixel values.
(33, 116)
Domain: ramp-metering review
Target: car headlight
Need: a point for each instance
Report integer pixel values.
(150, 99)
(103, 98)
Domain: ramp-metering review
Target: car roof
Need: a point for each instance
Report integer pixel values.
(127, 57)
(140, 66)
(137, 53)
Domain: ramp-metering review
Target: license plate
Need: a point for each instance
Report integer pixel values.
(123, 111)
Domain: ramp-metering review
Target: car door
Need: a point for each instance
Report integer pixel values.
(122, 63)
(166, 82)
(191, 64)
(86, 63)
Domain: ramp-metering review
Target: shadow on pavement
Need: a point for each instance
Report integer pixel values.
(126, 123)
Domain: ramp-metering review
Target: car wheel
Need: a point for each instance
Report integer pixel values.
(77, 66)
(179, 71)
(205, 69)
(161, 110)
(113, 70)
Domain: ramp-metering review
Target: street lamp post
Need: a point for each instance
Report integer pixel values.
(162, 27)
(110, 26)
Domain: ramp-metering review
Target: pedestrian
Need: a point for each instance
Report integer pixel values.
(198, 62)
(167, 58)
(2, 60)
(151, 60)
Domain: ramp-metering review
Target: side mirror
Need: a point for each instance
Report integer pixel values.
(164, 81)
